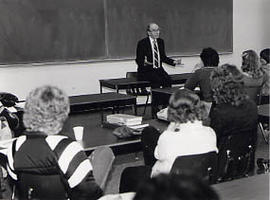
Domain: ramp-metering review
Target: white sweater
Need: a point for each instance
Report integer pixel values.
(191, 138)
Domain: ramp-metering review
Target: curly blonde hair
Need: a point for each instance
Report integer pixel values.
(251, 64)
(184, 106)
(227, 85)
(46, 110)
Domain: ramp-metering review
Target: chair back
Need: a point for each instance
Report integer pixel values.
(149, 141)
(236, 155)
(35, 186)
(132, 90)
(201, 165)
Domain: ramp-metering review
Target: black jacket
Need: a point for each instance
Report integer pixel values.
(144, 50)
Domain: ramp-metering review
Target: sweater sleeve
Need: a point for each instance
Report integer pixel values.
(192, 82)
(78, 172)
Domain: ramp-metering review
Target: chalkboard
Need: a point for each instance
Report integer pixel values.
(71, 30)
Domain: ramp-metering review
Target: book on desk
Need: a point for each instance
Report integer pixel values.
(124, 119)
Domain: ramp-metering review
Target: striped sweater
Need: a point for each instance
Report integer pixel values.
(54, 154)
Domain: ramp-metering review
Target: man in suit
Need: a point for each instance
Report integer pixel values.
(150, 55)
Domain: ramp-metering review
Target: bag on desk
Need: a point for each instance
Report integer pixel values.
(8, 99)
(126, 132)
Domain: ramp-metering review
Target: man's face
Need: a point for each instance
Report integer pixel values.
(153, 31)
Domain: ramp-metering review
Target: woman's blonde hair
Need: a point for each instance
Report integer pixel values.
(251, 64)
(46, 110)
(184, 106)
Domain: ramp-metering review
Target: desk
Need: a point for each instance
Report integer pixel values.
(180, 78)
(250, 188)
(122, 83)
(95, 136)
(100, 101)
(125, 83)
(161, 96)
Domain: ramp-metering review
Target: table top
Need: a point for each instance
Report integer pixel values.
(263, 110)
(168, 90)
(180, 78)
(123, 83)
(95, 135)
(104, 97)
(251, 188)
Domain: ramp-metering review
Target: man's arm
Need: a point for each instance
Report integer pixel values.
(192, 82)
(140, 55)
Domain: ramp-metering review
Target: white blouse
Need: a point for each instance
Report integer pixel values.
(182, 139)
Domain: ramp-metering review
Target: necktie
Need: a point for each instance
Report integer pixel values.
(156, 60)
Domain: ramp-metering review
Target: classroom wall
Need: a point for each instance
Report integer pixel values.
(251, 30)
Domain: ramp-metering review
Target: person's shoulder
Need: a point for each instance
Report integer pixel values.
(143, 40)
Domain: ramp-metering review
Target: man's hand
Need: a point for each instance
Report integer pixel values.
(146, 62)
(178, 61)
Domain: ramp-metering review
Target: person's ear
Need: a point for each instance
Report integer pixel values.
(263, 62)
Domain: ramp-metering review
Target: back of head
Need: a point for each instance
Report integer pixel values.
(46, 109)
(227, 85)
(251, 64)
(265, 55)
(184, 106)
(209, 57)
(175, 187)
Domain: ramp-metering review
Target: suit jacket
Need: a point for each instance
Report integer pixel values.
(144, 50)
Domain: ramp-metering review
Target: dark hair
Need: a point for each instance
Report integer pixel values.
(251, 64)
(184, 106)
(227, 85)
(175, 187)
(209, 57)
(265, 54)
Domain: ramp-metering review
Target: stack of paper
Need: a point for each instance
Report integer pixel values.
(124, 119)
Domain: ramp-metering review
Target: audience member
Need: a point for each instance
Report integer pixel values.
(265, 61)
(42, 151)
(175, 187)
(201, 77)
(254, 77)
(150, 55)
(232, 112)
(186, 134)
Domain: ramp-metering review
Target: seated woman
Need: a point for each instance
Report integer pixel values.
(41, 151)
(186, 134)
(201, 77)
(254, 77)
(233, 112)
(265, 62)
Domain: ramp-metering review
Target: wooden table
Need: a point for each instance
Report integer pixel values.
(95, 135)
(122, 83)
(251, 188)
(180, 78)
(101, 101)
(125, 83)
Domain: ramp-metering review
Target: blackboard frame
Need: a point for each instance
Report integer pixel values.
(111, 43)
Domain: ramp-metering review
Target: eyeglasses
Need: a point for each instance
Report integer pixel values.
(155, 30)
